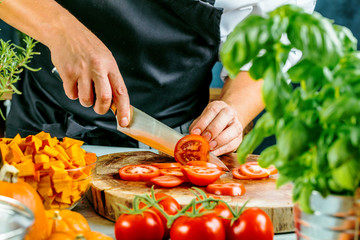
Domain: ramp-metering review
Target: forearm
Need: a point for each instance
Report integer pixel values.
(244, 95)
(40, 19)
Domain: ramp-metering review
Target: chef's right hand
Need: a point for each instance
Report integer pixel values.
(86, 65)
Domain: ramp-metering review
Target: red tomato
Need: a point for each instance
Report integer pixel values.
(207, 226)
(272, 170)
(140, 172)
(166, 165)
(253, 224)
(192, 148)
(254, 171)
(203, 164)
(170, 206)
(231, 189)
(225, 215)
(168, 181)
(201, 176)
(171, 171)
(238, 174)
(142, 226)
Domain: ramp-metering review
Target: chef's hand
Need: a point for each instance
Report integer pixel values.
(219, 124)
(90, 72)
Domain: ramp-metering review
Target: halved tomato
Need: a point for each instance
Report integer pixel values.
(192, 148)
(231, 189)
(201, 176)
(167, 181)
(166, 165)
(203, 164)
(139, 172)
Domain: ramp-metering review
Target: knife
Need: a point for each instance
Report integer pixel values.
(155, 134)
(152, 132)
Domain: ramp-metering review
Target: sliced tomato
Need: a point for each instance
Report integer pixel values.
(139, 172)
(253, 171)
(272, 170)
(201, 176)
(166, 165)
(231, 189)
(167, 181)
(171, 171)
(238, 174)
(192, 148)
(203, 164)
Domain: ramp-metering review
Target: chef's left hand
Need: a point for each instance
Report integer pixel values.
(220, 125)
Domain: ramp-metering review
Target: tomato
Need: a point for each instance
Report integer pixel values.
(171, 171)
(192, 148)
(201, 176)
(169, 205)
(166, 165)
(253, 224)
(203, 164)
(238, 174)
(143, 226)
(207, 226)
(140, 172)
(231, 189)
(167, 181)
(253, 171)
(225, 215)
(272, 170)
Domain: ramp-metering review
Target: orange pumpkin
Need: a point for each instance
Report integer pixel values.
(78, 236)
(23, 192)
(66, 221)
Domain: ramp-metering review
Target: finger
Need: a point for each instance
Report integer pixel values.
(86, 94)
(233, 131)
(219, 123)
(103, 93)
(206, 118)
(70, 86)
(121, 98)
(229, 146)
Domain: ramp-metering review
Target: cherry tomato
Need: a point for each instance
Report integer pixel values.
(143, 226)
(192, 148)
(231, 189)
(166, 165)
(201, 176)
(207, 226)
(253, 224)
(203, 164)
(167, 181)
(140, 172)
(171, 171)
(170, 206)
(225, 215)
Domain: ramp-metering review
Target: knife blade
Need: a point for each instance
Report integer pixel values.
(155, 134)
(152, 132)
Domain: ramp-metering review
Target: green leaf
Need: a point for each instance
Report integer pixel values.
(347, 175)
(340, 152)
(268, 156)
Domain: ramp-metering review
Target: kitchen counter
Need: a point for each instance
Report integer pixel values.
(101, 224)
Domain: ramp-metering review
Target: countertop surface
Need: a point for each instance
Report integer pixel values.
(100, 224)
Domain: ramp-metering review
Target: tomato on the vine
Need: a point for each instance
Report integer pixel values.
(253, 224)
(138, 172)
(201, 176)
(146, 225)
(207, 226)
(192, 148)
(169, 204)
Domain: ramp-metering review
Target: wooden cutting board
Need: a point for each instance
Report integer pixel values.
(107, 189)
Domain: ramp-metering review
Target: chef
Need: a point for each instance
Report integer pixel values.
(155, 55)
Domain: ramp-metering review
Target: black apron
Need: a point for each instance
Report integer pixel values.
(165, 50)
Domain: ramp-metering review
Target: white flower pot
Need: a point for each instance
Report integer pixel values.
(335, 217)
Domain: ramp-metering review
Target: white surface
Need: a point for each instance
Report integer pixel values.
(100, 224)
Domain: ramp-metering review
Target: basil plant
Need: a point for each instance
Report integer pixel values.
(316, 123)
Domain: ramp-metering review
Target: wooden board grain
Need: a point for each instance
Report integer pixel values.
(108, 190)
